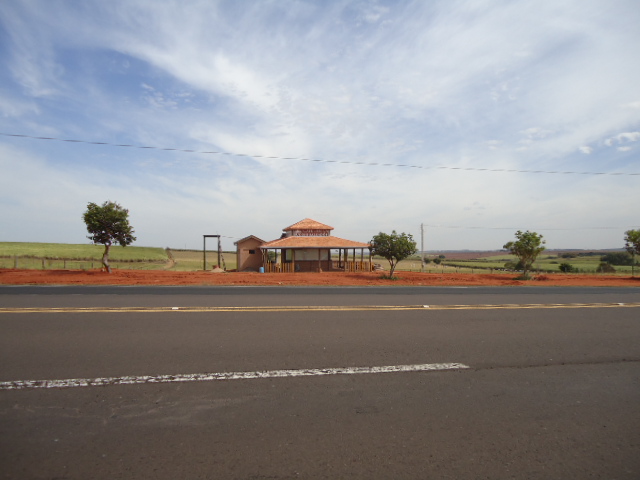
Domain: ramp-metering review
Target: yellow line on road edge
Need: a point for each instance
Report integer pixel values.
(312, 308)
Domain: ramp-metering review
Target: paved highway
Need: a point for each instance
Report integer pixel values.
(169, 382)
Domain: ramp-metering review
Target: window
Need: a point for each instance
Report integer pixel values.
(252, 252)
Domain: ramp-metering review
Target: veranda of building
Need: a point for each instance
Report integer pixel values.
(306, 246)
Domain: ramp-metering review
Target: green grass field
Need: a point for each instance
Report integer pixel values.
(190, 260)
(545, 263)
(87, 256)
(80, 251)
(78, 256)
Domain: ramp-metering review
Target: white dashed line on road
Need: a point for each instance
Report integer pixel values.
(208, 377)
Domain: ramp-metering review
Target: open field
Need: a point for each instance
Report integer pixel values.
(50, 256)
(548, 263)
(54, 251)
(192, 260)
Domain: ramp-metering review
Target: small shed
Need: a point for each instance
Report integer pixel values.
(249, 255)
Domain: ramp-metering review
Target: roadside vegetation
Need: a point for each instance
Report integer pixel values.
(108, 224)
(87, 256)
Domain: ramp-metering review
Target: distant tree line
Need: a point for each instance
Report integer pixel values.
(618, 258)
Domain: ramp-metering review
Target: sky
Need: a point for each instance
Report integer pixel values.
(398, 115)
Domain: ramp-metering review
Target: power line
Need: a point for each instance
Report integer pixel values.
(520, 228)
(300, 159)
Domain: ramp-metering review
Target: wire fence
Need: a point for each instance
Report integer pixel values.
(39, 263)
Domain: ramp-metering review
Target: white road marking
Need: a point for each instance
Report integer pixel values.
(208, 377)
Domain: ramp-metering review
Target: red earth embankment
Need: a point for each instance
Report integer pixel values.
(151, 277)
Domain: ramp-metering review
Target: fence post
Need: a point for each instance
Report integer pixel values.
(15, 262)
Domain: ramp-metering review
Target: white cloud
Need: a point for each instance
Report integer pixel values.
(622, 138)
(628, 136)
(505, 85)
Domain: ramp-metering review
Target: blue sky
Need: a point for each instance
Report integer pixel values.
(468, 86)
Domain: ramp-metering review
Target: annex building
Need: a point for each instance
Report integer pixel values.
(306, 246)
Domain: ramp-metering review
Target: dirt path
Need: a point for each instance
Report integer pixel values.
(157, 277)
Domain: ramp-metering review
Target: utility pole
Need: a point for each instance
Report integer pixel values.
(422, 246)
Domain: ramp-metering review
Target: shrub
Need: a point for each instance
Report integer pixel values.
(566, 267)
(605, 268)
(514, 266)
(617, 258)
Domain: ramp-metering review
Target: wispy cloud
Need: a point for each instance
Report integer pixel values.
(511, 85)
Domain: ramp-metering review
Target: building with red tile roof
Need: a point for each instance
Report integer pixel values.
(306, 246)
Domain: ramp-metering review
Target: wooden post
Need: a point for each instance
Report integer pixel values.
(219, 252)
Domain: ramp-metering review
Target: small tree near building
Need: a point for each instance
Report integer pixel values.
(526, 248)
(632, 245)
(394, 247)
(108, 223)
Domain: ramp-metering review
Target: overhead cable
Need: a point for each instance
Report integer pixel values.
(344, 162)
(520, 228)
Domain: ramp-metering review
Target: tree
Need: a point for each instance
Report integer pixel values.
(108, 223)
(526, 248)
(632, 245)
(394, 247)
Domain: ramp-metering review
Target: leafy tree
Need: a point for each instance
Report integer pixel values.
(108, 223)
(632, 245)
(526, 248)
(394, 247)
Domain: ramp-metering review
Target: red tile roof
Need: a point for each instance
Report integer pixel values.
(247, 238)
(314, 242)
(308, 224)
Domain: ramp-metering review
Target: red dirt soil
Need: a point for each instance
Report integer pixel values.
(159, 277)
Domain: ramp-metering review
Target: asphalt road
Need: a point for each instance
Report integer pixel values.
(534, 392)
